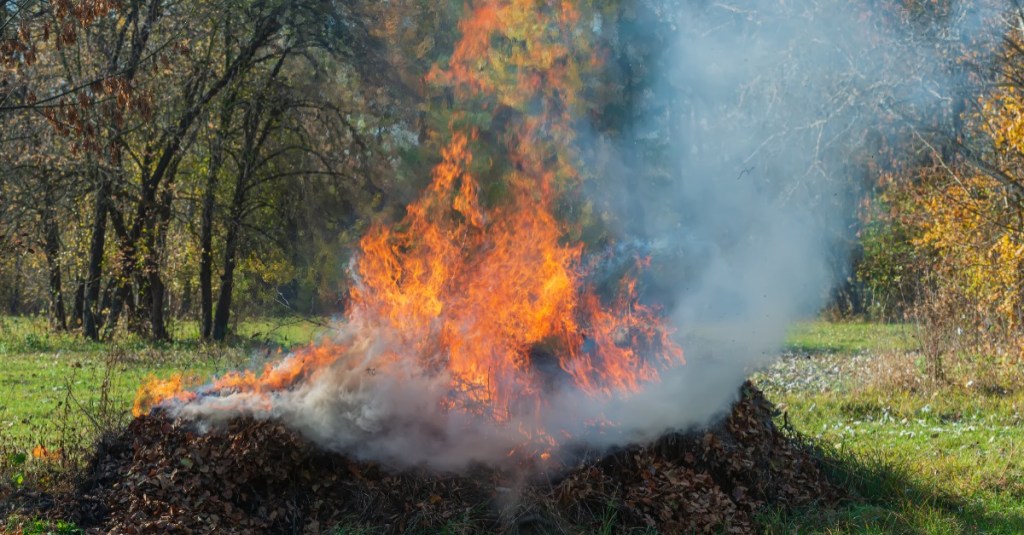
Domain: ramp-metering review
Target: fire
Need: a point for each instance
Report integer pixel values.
(42, 453)
(487, 291)
(155, 391)
(483, 296)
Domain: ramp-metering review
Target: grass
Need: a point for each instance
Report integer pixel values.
(22, 335)
(41, 527)
(59, 392)
(920, 455)
(821, 337)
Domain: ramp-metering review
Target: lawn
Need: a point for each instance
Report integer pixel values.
(918, 455)
(57, 390)
(923, 455)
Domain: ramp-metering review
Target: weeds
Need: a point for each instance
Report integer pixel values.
(40, 527)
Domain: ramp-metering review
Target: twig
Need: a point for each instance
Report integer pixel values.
(71, 396)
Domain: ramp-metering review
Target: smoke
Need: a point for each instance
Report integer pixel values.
(763, 128)
(750, 130)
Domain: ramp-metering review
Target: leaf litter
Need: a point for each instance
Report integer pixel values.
(161, 475)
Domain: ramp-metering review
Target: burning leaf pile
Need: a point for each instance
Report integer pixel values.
(250, 476)
(475, 326)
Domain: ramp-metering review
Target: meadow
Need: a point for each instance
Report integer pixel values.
(919, 453)
(59, 392)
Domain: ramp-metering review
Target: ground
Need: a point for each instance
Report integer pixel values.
(918, 454)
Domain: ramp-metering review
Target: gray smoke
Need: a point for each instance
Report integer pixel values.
(737, 174)
(770, 115)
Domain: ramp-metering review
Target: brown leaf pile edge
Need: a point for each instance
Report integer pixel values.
(159, 475)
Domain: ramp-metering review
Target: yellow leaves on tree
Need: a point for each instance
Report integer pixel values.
(978, 243)
(972, 219)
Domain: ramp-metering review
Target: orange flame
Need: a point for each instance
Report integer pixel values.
(42, 453)
(156, 391)
(489, 294)
(485, 298)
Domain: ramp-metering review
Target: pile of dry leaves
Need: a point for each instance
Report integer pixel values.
(259, 477)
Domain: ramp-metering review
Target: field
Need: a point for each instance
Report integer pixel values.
(923, 455)
(58, 391)
(919, 455)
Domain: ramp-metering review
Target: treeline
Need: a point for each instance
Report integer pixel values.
(208, 159)
(942, 236)
(162, 159)
(204, 160)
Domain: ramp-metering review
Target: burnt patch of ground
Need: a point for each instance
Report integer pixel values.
(159, 475)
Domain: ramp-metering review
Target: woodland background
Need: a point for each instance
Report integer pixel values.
(200, 161)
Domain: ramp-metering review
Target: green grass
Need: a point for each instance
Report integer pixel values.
(851, 337)
(285, 332)
(41, 527)
(60, 391)
(920, 455)
(37, 389)
(31, 334)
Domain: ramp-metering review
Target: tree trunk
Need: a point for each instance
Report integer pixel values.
(51, 248)
(227, 279)
(14, 306)
(158, 314)
(90, 314)
(118, 295)
(206, 223)
(257, 128)
(154, 291)
(206, 258)
(220, 320)
(160, 174)
(118, 283)
(75, 320)
(156, 304)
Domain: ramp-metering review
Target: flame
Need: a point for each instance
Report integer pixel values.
(484, 298)
(42, 453)
(490, 293)
(156, 391)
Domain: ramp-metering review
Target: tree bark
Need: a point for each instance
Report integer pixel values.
(227, 280)
(75, 319)
(14, 305)
(206, 258)
(90, 315)
(206, 223)
(148, 206)
(257, 127)
(51, 248)
(57, 317)
(119, 283)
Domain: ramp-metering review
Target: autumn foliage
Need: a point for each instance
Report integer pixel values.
(961, 215)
